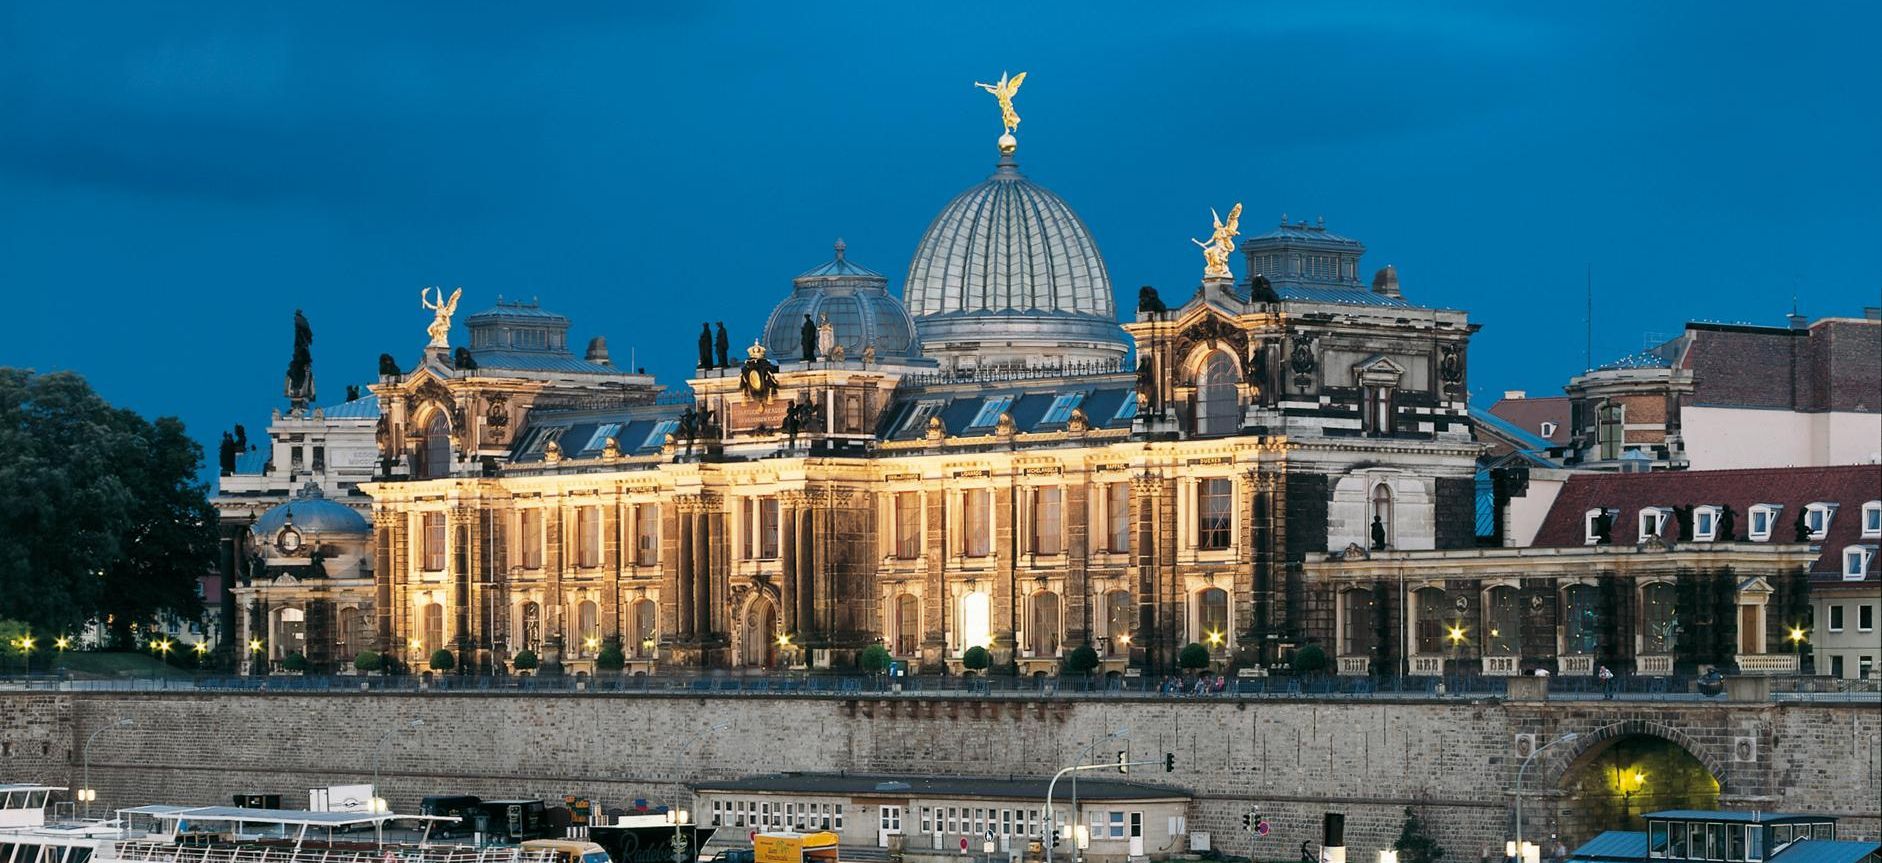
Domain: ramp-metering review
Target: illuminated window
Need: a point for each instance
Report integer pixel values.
(1214, 508)
(1117, 512)
(1212, 617)
(646, 534)
(433, 537)
(908, 525)
(976, 621)
(529, 530)
(1218, 405)
(646, 628)
(976, 522)
(588, 628)
(1120, 619)
(1659, 620)
(588, 536)
(1047, 520)
(1359, 625)
(1502, 622)
(1434, 611)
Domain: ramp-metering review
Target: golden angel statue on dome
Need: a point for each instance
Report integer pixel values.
(1004, 91)
(1221, 244)
(440, 329)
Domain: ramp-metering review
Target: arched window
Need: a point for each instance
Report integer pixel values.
(1502, 622)
(1212, 617)
(1379, 534)
(1042, 633)
(907, 624)
(434, 459)
(1659, 619)
(1218, 407)
(588, 626)
(976, 621)
(1581, 619)
(1120, 620)
(530, 637)
(434, 627)
(290, 632)
(1433, 610)
(646, 629)
(1359, 623)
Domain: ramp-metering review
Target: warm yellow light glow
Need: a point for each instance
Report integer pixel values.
(62, 642)
(591, 642)
(1215, 638)
(164, 646)
(1797, 634)
(1640, 778)
(784, 639)
(1124, 639)
(202, 647)
(25, 643)
(1457, 634)
(417, 645)
(254, 644)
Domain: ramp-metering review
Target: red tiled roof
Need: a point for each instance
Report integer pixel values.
(1847, 486)
(1529, 414)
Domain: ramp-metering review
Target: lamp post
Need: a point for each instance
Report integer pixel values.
(379, 753)
(1082, 754)
(87, 792)
(1796, 637)
(1456, 637)
(674, 812)
(1570, 737)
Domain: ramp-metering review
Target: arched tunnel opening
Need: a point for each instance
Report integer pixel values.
(1611, 787)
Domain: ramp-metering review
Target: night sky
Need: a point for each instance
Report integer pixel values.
(176, 180)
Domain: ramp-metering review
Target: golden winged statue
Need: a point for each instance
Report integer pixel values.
(1004, 91)
(440, 329)
(1221, 244)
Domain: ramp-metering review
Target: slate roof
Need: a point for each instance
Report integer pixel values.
(1519, 438)
(908, 785)
(365, 407)
(1341, 296)
(1102, 399)
(1826, 851)
(578, 436)
(1794, 488)
(541, 361)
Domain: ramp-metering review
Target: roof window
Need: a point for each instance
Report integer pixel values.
(1856, 560)
(990, 411)
(1817, 519)
(1705, 523)
(1061, 409)
(1653, 521)
(1872, 519)
(1763, 518)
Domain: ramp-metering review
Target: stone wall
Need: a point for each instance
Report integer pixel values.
(1453, 758)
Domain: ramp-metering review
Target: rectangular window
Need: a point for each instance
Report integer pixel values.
(530, 537)
(588, 536)
(1735, 836)
(294, 457)
(1705, 524)
(990, 412)
(1117, 517)
(1836, 618)
(1047, 518)
(599, 439)
(926, 824)
(1855, 563)
(1214, 506)
(646, 534)
(433, 534)
(1610, 435)
(768, 528)
(908, 525)
(320, 458)
(975, 524)
(1872, 519)
(1656, 839)
(1061, 409)
(1137, 825)
(1715, 841)
(658, 437)
(1865, 618)
(1864, 664)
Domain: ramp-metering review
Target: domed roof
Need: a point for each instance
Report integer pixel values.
(311, 512)
(860, 308)
(1009, 258)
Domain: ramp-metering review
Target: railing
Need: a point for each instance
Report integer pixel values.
(1355, 666)
(1657, 666)
(1575, 666)
(1767, 663)
(1427, 666)
(170, 852)
(994, 374)
(1502, 666)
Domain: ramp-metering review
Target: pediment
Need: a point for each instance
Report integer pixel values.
(1378, 370)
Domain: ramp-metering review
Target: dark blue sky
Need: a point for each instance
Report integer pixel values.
(175, 182)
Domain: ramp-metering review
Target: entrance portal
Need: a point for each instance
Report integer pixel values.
(760, 647)
(1611, 787)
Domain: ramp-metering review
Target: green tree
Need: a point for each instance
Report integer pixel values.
(875, 659)
(976, 659)
(1082, 660)
(1310, 659)
(442, 660)
(611, 658)
(525, 660)
(368, 660)
(294, 662)
(1414, 844)
(103, 516)
(1193, 657)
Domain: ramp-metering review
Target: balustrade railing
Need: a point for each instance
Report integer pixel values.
(1767, 663)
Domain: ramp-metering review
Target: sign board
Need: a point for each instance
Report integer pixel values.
(1261, 828)
(788, 847)
(340, 798)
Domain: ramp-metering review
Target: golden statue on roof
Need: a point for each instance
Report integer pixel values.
(440, 329)
(1221, 244)
(1004, 91)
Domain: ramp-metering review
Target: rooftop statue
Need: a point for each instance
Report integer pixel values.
(440, 329)
(1221, 244)
(1004, 91)
(300, 379)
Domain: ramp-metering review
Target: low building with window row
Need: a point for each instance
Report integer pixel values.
(1728, 837)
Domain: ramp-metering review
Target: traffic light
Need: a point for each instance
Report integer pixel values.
(1248, 820)
(1123, 762)
(1169, 762)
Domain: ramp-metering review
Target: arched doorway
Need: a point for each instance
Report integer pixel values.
(760, 645)
(434, 457)
(1612, 784)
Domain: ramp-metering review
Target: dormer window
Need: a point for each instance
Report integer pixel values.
(1653, 521)
(1061, 409)
(1872, 519)
(990, 412)
(1763, 517)
(1856, 560)
(1705, 523)
(1547, 430)
(1817, 518)
(1597, 526)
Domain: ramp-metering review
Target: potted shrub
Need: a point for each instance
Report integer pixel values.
(295, 663)
(525, 661)
(611, 658)
(875, 659)
(369, 662)
(1082, 660)
(442, 660)
(1310, 660)
(976, 659)
(1194, 657)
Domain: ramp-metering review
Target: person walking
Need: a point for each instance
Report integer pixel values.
(1607, 682)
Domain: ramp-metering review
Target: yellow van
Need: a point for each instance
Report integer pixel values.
(569, 850)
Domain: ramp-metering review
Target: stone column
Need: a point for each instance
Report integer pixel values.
(683, 573)
(788, 507)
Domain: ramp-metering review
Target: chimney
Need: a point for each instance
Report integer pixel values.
(1515, 395)
(598, 351)
(1385, 282)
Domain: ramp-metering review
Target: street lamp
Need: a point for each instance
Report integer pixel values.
(87, 793)
(676, 814)
(379, 801)
(1796, 637)
(1082, 754)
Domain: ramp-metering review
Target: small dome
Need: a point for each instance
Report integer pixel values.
(311, 512)
(858, 303)
(1009, 260)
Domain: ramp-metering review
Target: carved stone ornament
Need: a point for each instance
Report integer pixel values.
(1214, 332)
(552, 453)
(936, 428)
(757, 379)
(611, 449)
(1078, 422)
(1355, 551)
(1005, 427)
(1302, 361)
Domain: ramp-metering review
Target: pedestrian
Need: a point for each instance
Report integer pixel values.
(1607, 683)
(1558, 852)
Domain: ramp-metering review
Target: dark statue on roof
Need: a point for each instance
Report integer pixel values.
(1801, 528)
(689, 427)
(722, 346)
(352, 392)
(808, 335)
(1148, 302)
(225, 454)
(1378, 534)
(241, 438)
(463, 361)
(705, 346)
(388, 367)
(1728, 523)
(1260, 290)
(300, 378)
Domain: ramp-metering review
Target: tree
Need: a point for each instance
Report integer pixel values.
(875, 659)
(368, 660)
(104, 518)
(525, 660)
(1194, 657)
(294, 662)
(976, 659)
(611, 658)
(1082, 660)
(442, 660)
(1310, 659)
(1414, 845)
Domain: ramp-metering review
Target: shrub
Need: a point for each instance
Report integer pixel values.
(1310, 659)
(1082, 660)
(875, 659)
(294, 662)
(976, 658)
(611, 658)
(1193, 657)
(1414, 845)
(441, 660)
(525, 660)
(368, 660)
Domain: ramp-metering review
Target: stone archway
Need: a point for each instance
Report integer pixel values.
(758, 633)
(1613, 775)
